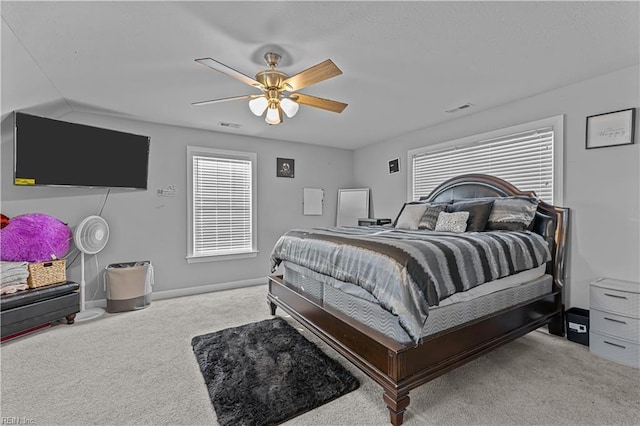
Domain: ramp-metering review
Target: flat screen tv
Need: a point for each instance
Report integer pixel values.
(57, 153)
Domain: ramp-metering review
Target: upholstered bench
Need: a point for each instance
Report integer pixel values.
(30, 309)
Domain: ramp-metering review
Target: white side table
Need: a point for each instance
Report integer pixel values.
(614, 320)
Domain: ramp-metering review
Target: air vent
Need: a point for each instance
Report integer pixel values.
(229, 125)
(459, 108)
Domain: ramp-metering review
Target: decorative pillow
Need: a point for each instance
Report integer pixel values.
(454, 222)
(34, 237)
(430, 216)
(512, 213)
(410, 216)
(479, 211)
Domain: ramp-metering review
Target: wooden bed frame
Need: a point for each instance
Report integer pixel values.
(397, 367)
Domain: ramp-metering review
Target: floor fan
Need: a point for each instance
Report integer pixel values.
(90, 237)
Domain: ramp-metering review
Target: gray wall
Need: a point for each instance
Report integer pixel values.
(145, 226)
(601, 186)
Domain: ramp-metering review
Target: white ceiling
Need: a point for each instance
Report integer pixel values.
(403, 63)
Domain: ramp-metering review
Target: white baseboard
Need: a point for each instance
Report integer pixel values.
(189, 291)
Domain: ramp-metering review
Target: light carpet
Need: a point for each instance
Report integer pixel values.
(138, 368)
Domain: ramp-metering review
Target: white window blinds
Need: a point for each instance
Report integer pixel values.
(222, 205)
(524, 159)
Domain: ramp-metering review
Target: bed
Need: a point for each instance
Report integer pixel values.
(407, 305)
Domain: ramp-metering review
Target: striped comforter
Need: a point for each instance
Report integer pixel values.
(408, 271)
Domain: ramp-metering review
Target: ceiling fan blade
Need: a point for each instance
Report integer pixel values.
(316, 102)
(215, 65)
(232, 98)
(315, 74)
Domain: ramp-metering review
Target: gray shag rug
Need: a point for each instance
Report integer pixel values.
(266, 372)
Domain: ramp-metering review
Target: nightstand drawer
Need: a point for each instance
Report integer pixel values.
(617, 301)
(615, 349)
(615, 325)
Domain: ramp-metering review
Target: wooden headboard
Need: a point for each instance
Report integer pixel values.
(552, 222)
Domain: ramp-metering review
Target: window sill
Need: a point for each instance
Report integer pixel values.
(218, 257)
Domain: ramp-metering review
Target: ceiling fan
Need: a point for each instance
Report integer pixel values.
(279, 91)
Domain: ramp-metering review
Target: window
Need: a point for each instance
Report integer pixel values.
(528, 156)
(221, 204)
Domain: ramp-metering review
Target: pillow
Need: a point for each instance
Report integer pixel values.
(512, 213)
(395, 221)
(410, 215)
(430, 216)
(454, 222)
(34, 237)
(479, 211)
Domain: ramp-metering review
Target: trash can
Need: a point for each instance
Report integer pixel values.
(128, 286)
(578, 325)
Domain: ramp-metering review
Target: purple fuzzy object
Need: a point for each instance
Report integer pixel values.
(34, 237)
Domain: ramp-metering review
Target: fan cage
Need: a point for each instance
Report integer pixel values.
(91, 235)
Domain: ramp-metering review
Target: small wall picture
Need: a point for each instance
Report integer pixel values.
(611, 129)
(285, 167)
(394, 166)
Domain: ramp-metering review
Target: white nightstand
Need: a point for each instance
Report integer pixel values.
(614, 320)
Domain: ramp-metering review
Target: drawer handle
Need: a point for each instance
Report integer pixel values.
(616, 296)
(614, 320)
(614, 344)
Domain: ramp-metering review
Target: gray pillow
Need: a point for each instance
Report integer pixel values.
(410, 216)
(430, 216)
(479, 211)
(512, 213)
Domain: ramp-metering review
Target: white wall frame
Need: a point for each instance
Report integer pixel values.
(353, 204)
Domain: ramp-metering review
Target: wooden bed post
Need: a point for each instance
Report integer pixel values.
(272, 307)
(397, 403)
(556, 325)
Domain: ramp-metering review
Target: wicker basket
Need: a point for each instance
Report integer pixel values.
(46, 273)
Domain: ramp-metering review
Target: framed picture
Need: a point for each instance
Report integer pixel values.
(285, 167)
(611, 129)
(394, 166)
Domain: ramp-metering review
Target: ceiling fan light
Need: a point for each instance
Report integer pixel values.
(258, 105)
(274, 115)
(289, 107)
